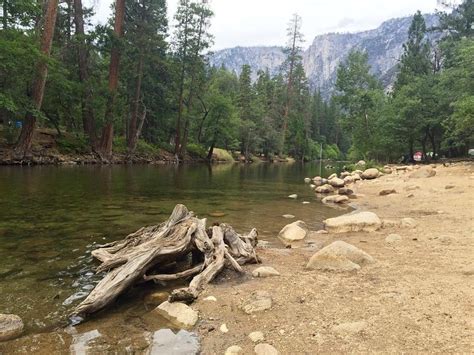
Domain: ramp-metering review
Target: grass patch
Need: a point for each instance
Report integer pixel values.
(223, 155)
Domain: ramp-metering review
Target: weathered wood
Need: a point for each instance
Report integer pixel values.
(161, 247)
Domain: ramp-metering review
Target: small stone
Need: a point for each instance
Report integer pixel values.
(294, 196)
(345, 191)
(332, 176)
(179, 313)
(354, 222)
(336, 199)
(210, 299)
(324, 189)
(288, 216)
(11, 326)
(256, 337)
(408, 223)
(233, 350)
(386, 192)
(265, 271)
(390, 223)
(336, 182)
(294, 231)
(217, 214)
(370, 174)
(321, 231)
(361, 163)
(265, 349)
(468, 270)
(307, 180)
(412, 187)
(351, 328)
(312, 186)
(223, 328)
(282, 332)
(339, 256)
(393, 238)
(449, 187)
(306, 202)
(258, 301)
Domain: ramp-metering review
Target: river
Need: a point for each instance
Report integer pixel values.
(52, 217)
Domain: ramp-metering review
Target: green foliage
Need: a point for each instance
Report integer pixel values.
(72, 144)
(196, 150)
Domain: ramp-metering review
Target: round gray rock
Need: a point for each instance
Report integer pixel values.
(11, 326)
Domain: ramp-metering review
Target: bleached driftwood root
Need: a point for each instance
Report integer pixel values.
(156, 247)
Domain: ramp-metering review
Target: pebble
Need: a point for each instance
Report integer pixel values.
(210, 298)
(393, 238)
(265, 349)
(294, 196)
(256, 337)
(223, 328)
(233, 350)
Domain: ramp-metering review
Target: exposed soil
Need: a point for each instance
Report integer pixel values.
(417, 297)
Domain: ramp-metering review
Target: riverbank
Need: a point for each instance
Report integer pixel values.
(416, 296)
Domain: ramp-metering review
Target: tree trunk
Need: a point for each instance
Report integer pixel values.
(23, 145)
(130, 261)
(132, 128)
(211, 151)
(5, 15)
(88, 121)
(105, 148)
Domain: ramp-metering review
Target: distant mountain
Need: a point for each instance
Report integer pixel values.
(384, 46)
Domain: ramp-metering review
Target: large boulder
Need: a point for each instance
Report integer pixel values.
(11, 326)
(349, 179)
(339, 256)
(371, 173)
(344, 174)
(325, 189)
(361, 163)
(354, 222)
(293, 232)
(336, 199)
(336, 182)
(178, 313)
(332, 176)
(345, 191)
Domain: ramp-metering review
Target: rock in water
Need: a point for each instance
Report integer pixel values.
(339, 256)
(288, 216)
(294, 231)
(294, 196)
(259, 301)
(178, 313)
(265, 271)
(265, 349)
(336, 182)
(217, 214)
(386, 192)
(256, 337)
(370, 174)
(11, 326)
(307, 180)
(182, 343)
(234, 350)
(325, 189)
(336, 199)
(355, 222)
(393, 238)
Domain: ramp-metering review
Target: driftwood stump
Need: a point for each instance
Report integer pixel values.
(128, 261)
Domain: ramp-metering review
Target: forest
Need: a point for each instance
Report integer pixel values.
(139, 84)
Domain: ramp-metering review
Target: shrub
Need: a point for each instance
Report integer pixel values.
(72, 144)
(196, 150)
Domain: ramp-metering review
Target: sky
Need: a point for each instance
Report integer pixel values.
(264, 22)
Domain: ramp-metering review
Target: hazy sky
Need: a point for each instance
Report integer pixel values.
(263, 22)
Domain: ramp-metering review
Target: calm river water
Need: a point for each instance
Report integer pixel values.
(52, 217)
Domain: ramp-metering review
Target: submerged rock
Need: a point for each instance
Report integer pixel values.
(178, 313)
(293, 231)
(294, 196)
(355, 222)
(339, 256)
(164, 341)
(11, 326)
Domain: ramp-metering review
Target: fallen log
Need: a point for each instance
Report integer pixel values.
(128, 261)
